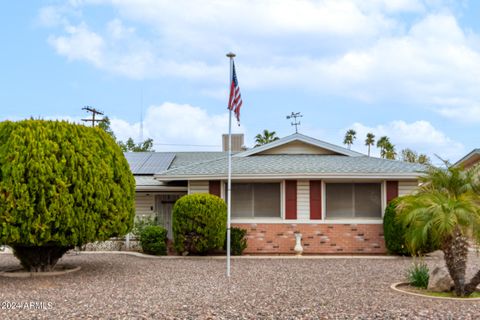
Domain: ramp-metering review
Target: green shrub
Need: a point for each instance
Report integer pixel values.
(238, 241)
(394, 234)
(199, 222)
(141, 222)
(61, 185)
(418, 275)
(153, 240)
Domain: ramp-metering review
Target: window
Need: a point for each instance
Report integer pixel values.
(259, 200)
(353, 200)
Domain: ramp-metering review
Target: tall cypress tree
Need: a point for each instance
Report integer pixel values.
(61, 185)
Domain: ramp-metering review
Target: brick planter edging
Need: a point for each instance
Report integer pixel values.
(267, 238)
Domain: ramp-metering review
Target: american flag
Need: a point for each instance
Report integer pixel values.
(235, 101)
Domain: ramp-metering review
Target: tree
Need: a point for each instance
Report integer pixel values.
(265, 137)
(408, 155)
(387, 149)
(129, 145)
(370, 141)
(350, 136)
(446, 211)
(105, 126)
(389, 152)
(61, 185)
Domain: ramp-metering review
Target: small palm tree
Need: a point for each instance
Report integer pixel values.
(370, 141)
(446, 211)
(265, 137)
(383, 144)
(389, 152)
(350, 136)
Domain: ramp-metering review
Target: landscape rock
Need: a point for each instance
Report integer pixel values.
(440, 280)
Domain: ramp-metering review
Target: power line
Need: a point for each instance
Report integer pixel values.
(186, 145)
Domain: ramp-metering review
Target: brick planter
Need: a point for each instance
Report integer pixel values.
(316, 239)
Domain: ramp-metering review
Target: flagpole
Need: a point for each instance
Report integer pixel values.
(230, 55)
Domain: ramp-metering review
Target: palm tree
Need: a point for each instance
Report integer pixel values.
(389, 152)
(370, 141)
(266, 137)
(446, 211)
(350, 136)
(383, 144)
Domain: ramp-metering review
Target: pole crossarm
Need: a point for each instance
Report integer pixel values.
(94, 113)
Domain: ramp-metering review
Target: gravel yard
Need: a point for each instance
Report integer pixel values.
(113, 286)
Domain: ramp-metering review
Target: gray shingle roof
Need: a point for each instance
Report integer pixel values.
(295, 164)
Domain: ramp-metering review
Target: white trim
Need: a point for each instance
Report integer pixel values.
(304, 139)
(159, 188)
(282, 221)
(299, 176)
(383, 192)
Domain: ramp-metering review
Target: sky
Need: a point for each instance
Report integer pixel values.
(408, 69)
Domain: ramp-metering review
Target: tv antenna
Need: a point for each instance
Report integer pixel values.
(94, 113)
(295, 115)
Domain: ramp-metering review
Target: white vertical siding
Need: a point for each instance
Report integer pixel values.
(407, 187)
(144, 204)
(198, 187)
(303, 199)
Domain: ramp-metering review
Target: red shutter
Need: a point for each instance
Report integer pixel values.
(315, 199)
(392, 190)
(291, 199)
(214, 187)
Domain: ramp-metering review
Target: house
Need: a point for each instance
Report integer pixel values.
(333, 196)
(470, 159)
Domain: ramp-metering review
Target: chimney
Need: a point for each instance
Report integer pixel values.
(237, 142)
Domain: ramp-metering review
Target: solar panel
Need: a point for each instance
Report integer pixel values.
(149, 162)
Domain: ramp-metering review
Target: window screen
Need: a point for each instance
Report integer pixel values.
(261, 200)
(353, 200)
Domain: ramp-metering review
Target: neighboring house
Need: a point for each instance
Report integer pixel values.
(470, 159)
(333, 196)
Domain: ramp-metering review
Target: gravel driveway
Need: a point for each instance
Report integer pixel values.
(112, 286)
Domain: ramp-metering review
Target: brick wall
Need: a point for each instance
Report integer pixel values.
(316, 238)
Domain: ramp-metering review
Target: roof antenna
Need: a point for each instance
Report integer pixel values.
(295, 115)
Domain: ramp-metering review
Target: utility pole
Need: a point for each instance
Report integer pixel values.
(295, 115)
(94, 113)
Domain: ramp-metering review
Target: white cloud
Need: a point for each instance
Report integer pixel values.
(177, 127)
(420, 136)
(80, 44)
(361, 49)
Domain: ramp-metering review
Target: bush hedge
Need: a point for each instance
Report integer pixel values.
(394, 234)
(153, 240)
(238, 241)
(61, 185)
(199, 222)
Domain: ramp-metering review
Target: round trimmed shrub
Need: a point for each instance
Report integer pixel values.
(153, 240)
(61, 185)
(238, 241)
(199, 222)
(394, 234)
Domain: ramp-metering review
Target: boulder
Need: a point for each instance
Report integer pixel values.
(440, 280)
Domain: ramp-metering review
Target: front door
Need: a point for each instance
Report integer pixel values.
(164, 208)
